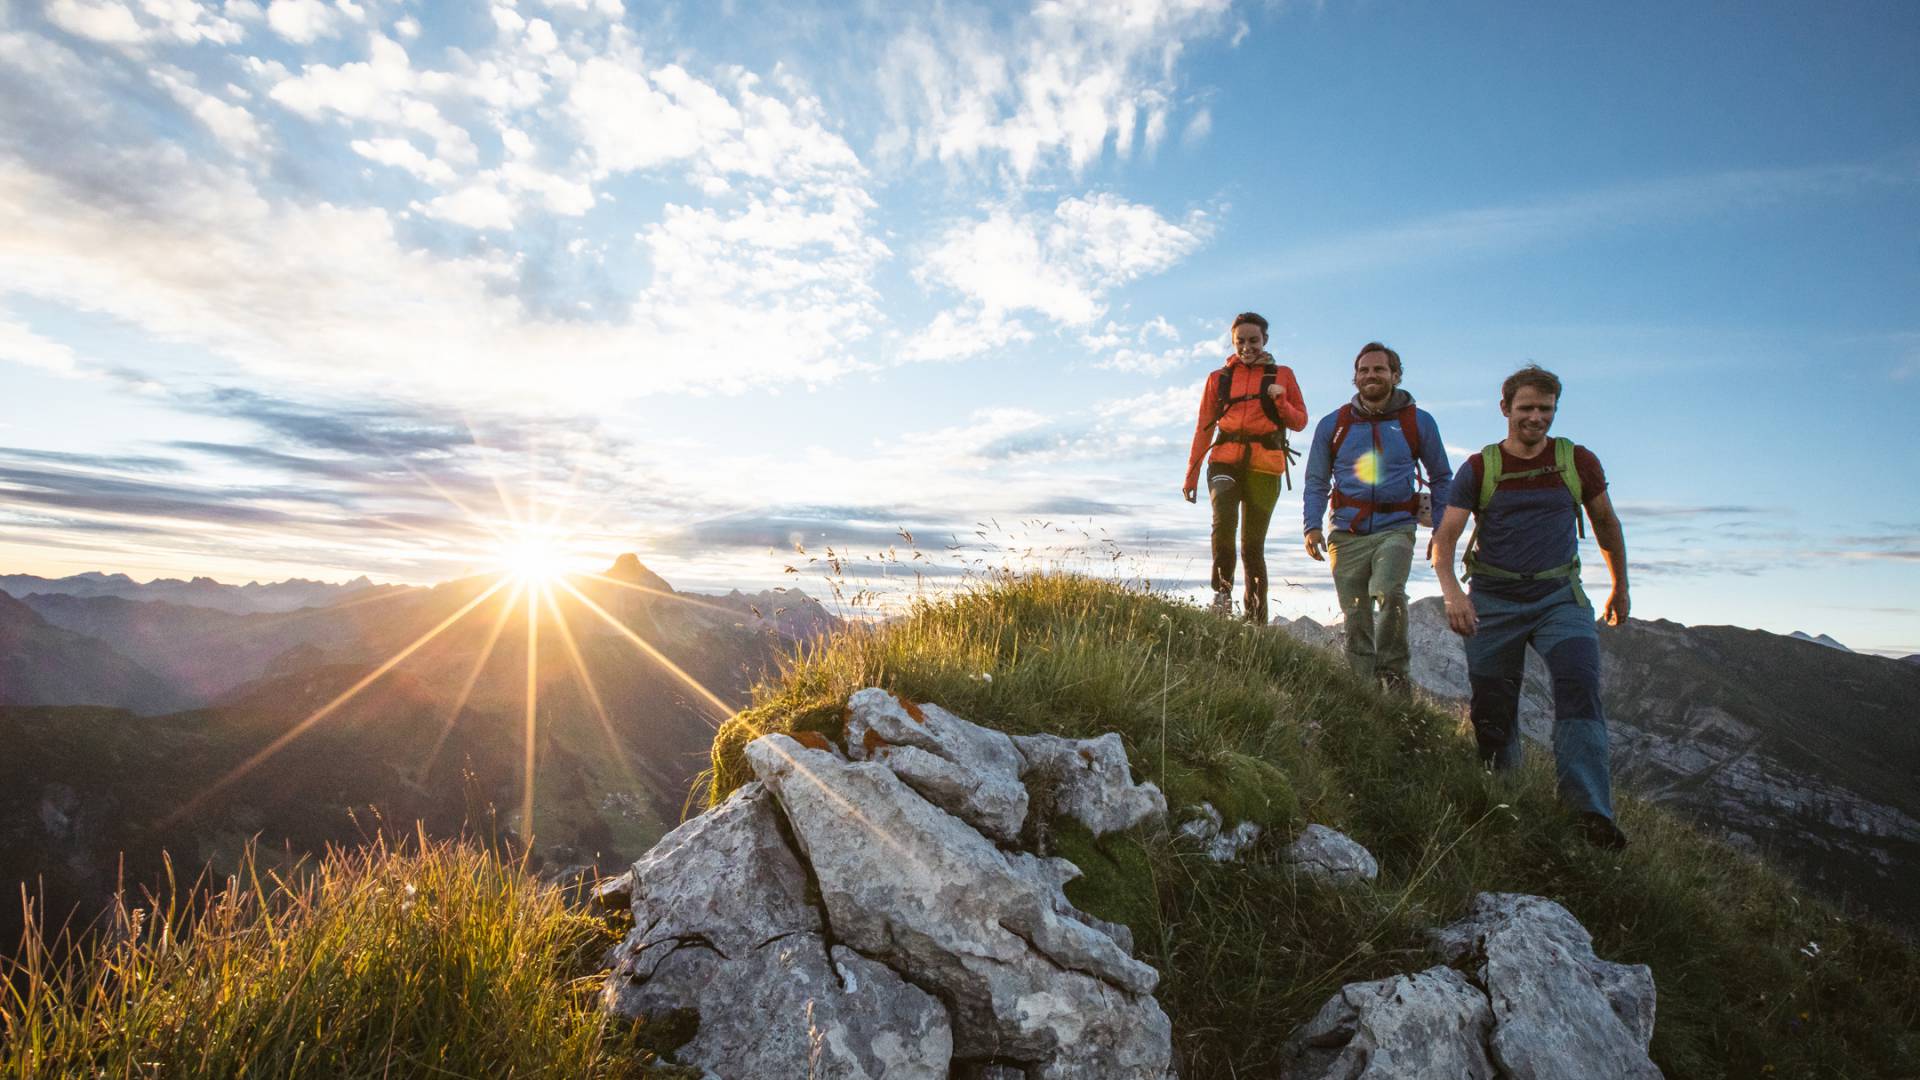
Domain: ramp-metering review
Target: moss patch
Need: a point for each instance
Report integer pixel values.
(1116, 878)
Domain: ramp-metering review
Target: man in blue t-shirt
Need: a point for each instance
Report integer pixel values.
(1524, 564)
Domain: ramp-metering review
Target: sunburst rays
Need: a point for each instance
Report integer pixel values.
(529, 538)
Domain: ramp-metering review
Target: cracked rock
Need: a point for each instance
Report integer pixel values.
(1331, 855)
(1089, 781)
(1560, 1012)
(908, 884)
(722, 927)
(969, 771)
(1408, 1027)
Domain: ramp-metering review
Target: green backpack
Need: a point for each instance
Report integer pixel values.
(1491, 478)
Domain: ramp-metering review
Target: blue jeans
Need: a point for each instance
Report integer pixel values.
(1560, 628)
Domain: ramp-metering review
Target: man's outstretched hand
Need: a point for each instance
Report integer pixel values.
(1460, 614)
(1616, 609)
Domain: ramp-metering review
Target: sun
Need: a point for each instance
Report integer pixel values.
(532, 557)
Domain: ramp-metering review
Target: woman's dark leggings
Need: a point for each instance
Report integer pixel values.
(1229, 487)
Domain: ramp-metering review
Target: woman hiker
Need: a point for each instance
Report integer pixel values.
(1246, 409)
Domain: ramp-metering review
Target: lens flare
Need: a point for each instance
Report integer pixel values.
(1367, 469)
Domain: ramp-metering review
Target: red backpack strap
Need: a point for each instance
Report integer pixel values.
(1410, 427)
(1341, 425)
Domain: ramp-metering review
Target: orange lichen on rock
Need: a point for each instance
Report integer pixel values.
(873, 742)
(812, 740)
(912, 710)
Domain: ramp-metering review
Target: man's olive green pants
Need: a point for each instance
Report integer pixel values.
(1369, 573)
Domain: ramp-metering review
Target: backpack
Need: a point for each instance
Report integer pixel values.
(1491, 477)
(1224, 398)
(1420, 505)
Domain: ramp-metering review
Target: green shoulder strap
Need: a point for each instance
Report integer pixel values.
(1563, 460)
(1489, 474)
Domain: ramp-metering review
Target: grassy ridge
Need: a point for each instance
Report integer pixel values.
(1755, 978)
(440, 961)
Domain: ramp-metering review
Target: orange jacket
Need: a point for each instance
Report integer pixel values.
(1244, 418)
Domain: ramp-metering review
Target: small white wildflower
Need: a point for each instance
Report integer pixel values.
(1811, 950)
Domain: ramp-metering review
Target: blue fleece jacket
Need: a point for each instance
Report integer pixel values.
(1375, 464)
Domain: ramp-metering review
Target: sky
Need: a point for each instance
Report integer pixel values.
(322, 289)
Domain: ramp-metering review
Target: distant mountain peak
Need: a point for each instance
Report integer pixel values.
(629, 569)
(1802, 635)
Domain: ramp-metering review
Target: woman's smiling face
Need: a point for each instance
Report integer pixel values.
(1249, 341)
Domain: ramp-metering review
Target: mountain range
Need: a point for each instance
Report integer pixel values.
(326, 724)
(1786, 744)
(202, 592)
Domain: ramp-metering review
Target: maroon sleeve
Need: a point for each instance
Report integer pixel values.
(1593, 479)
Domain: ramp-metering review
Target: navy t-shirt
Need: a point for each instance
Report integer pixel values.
(1529, 524)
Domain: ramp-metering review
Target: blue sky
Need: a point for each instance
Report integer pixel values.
(303, 287)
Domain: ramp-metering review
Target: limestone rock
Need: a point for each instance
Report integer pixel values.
(969, 771)
(615, 893)
(1559, 1011)
(1331, 855)
(906, 883)
(1203, 828)
(722, 928)
(792, 1007)
(1430, 1024)
(1089, 781)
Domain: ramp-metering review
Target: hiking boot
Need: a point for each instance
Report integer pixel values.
(1600, 831)
(1222, 603)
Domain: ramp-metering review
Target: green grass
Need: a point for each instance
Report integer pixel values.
(1755, 977)
(436, 961)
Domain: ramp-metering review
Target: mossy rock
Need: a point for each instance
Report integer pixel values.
(825, 717)
(1116, 881)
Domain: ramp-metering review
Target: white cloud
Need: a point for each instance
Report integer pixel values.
(105, 21)
(1059, 266)
(383, 90)
(626, 123)
(20, 345)
(1056, 84)
(956, 335)
(302, 21)
(402, 154)
(112, 22)
(236, 128)
(803, 267)
(477, 206)
(1166, 407)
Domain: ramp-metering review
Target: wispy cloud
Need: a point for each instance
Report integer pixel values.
(1053, 85)
(1485, 230)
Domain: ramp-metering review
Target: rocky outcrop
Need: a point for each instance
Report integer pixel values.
(972, 772)
(1523, 998)
(1205, 827)
(1558, 1010)
(1331, 855)
(1088, 780)
(867, 913)
(1430, 1024)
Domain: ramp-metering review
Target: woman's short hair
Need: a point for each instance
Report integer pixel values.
(1248, 317)
(1532, 375)
(1393, 358)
